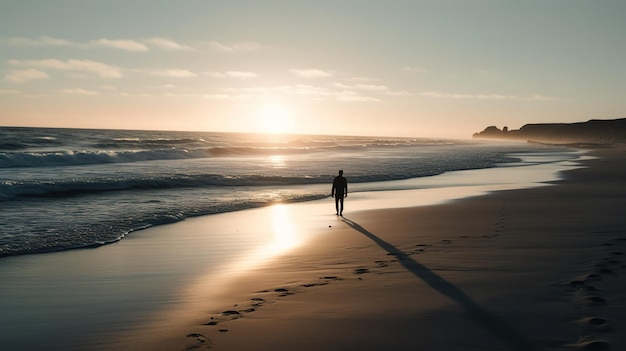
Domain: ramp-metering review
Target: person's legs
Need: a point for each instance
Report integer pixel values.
(337, 204)
(340, 209)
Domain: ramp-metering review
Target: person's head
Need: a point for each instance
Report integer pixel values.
(341, 172)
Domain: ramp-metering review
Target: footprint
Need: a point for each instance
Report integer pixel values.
(420, 248)
(361, 271)
(200, 342)
(332, 277)
(309, 285)
(231, 313)
(381, 264)
(596, 345)
(323, 281)
(398, 255)
(599, 325)
(594, 301)
(284, 292)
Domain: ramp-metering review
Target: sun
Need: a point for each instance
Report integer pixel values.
(275, 119)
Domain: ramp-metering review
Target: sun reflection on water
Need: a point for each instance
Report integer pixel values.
(285, 234)
(277, 161)
(281, 235)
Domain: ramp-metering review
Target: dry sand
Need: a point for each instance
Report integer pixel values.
(532, 269)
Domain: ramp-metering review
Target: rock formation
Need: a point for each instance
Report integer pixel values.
(594, 131)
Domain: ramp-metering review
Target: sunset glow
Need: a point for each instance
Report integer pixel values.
(275, 118)
(398, 68)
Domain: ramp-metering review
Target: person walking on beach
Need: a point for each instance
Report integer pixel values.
(339, 191)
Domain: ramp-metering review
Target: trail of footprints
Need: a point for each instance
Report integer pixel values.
(589, 299)
(261, 298)
(269, 296)
(584, 294)
(498, 228)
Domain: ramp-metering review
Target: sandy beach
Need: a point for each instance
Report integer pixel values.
(166, 175)
(531, 269)
(463, 267)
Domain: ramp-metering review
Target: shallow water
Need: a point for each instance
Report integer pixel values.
(71, 188)
(81, 299)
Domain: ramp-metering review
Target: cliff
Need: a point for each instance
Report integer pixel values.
(594, 131)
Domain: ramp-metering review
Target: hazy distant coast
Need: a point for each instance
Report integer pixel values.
(594, 131)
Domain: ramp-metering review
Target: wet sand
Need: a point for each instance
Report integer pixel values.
(532, 269)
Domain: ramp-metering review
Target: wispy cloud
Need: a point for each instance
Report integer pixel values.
(235, 47)
(24, 75)
(37, 42)
(311, 73)
(122, 44)
(541, 98)
(98, 68)
(174, 73)
(168, 44)
(359, 98)
(439, 95)
(232, 74)
(78, 92)
(308, 91)
(132, 45)
(378, 88)
(364, 87)
(209, 96)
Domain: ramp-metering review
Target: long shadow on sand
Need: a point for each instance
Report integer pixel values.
(499, 328)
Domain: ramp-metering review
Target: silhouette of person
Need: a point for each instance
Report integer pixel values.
(339, 191)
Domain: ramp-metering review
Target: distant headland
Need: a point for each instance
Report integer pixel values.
(594, 131)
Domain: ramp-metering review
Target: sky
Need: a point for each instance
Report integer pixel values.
(419, 68)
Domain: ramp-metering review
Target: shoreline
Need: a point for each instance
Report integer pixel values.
(56, 236)
(530, 269)
(276, 277)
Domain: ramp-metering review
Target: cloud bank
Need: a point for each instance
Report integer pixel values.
(100, 69)
(131, 45)
(439, 95)
(24, 75)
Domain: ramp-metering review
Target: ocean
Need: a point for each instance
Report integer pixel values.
(67, 189)
(64, 189)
